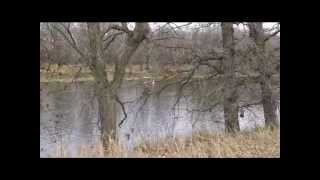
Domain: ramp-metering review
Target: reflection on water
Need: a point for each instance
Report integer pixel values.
(68, 116)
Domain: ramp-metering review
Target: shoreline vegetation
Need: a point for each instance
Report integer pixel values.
(257, 143)
(79, 73)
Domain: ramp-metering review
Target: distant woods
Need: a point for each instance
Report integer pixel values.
(165, 45)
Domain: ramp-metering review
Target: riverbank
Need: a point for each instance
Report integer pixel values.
(77, 73)
(260, 143)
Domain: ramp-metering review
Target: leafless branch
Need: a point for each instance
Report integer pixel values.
(271, 35)
(70, 42)
(122, 28)
(123, 110)
(173, 47)
(179, 27)
(67, 29)
(185, 82)
(204, 110)
(173, 29)
(111, 39)
(165, 38)
(164, 87)
(125, 27)
(203, 60)
(251, 104)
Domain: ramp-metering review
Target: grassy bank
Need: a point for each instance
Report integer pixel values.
(263, 143)
(71, 73)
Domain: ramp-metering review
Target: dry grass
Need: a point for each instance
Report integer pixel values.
(263, 143)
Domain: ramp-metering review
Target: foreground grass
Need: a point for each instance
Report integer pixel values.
(263, 143)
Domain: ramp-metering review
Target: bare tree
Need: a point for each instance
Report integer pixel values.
(106, 89)
(269, 106)
(230, 95)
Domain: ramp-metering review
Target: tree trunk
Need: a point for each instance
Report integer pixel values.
(230, 90)
(107, 115)
(105, 96)
(148, 56)
(269, 105)
(268, 102)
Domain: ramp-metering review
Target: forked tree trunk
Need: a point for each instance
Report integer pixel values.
(268, 102)
(106, 91)
(230, 90)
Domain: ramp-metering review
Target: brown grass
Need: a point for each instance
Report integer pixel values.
(263, 143)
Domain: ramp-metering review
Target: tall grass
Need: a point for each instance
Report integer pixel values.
(264, 143)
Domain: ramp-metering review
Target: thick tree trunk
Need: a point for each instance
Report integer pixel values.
(106, 106)
(105, 96)
(107, 115)
(268, 102)
(230, 90)
(269, 105)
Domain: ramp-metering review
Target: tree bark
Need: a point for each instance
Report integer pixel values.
(268, 102)
(107, 115)
(230, 95)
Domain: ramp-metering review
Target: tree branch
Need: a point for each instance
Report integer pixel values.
(113, 37)
(67, 29)
(122, 28)
(185, 82)
(70, 42)
(123, 110)
(165, 38)
(271, 35)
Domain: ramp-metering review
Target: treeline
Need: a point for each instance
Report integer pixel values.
(168, 47)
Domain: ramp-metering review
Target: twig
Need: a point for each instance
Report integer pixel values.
(123, 110)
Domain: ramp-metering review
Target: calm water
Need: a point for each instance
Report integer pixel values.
(69, 116)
